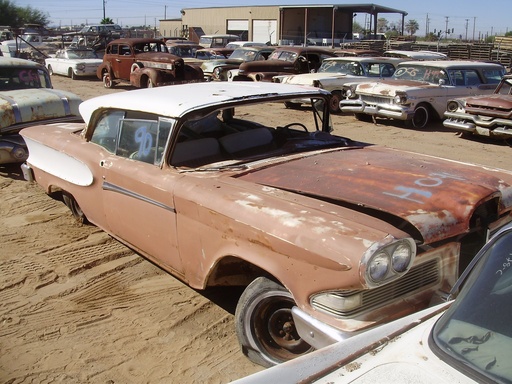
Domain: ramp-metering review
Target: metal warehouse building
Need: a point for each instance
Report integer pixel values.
(318, 24)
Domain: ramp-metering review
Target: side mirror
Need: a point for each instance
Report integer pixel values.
(442, 81)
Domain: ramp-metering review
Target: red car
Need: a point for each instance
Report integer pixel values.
(144, 63)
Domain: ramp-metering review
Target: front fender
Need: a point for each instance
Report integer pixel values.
(105, 67)
(139, 77)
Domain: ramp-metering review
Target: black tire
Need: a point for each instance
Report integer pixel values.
(291, 105)
(50, 70)
(334, 102)
(264, 324)
(75, 209)
(421, 117)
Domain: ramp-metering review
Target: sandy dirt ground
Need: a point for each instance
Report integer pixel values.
(78, 307)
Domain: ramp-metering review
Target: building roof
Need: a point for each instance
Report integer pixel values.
(364, 8)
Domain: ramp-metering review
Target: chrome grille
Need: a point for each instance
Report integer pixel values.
(420, 277)
(375, 99)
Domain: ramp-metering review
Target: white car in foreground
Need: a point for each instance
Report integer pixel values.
(463, 341)
(74, 63)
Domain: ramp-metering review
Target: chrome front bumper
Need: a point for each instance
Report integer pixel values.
(381, 110)
(474, 124)
(316, 333)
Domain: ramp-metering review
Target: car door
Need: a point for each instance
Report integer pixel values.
(122, 63)
(59, 63)
(138, 192)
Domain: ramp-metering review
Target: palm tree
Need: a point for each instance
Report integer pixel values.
(412, 26)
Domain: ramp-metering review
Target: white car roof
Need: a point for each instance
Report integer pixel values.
(15, 62)
(177, 100)
(452, 64)
(364, 59)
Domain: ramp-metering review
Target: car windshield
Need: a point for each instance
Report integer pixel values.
(420, 73)
(183, 51)
(12, 78)
(243, 54)
(505, 87)
(476, 331)
(150, 47)
(344, 67)
(236, 135)
(283, 55)
(82, 54)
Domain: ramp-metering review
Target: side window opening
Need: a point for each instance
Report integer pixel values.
(106, 132)
(133, 135)
(137, 140)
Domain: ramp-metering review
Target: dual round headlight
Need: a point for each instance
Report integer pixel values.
(390, 262)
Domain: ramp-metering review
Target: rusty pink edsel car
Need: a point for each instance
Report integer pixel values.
(329, 236)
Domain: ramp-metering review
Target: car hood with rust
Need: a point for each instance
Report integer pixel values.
(381, 181)
(390, 87)
(490, 105)
(21, 107)
(162, 57)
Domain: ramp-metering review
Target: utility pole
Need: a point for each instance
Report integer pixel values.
(104, 1)
(427, 26)
(446, 29)
(474, 22)
(467, 20)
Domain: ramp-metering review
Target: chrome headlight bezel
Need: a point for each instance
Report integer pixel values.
(401, 98)
(383, 263)
(456, 105)
(350, 92)
(80, 66)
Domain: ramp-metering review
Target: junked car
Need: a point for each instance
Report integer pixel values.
(328, 236)
(74, 63)
(334, 72)
(217, 40)
(467, 340)
(217, 70)
(487, 115)
(22, 74)
(144, 63)
(418, 91)
(213, 53)
(185, 50)
(27, 98)
(284, 60)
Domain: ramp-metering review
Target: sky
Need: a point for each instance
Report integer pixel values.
(472, 17)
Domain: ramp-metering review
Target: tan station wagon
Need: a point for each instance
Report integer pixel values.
(418, 91)
(328, 236)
